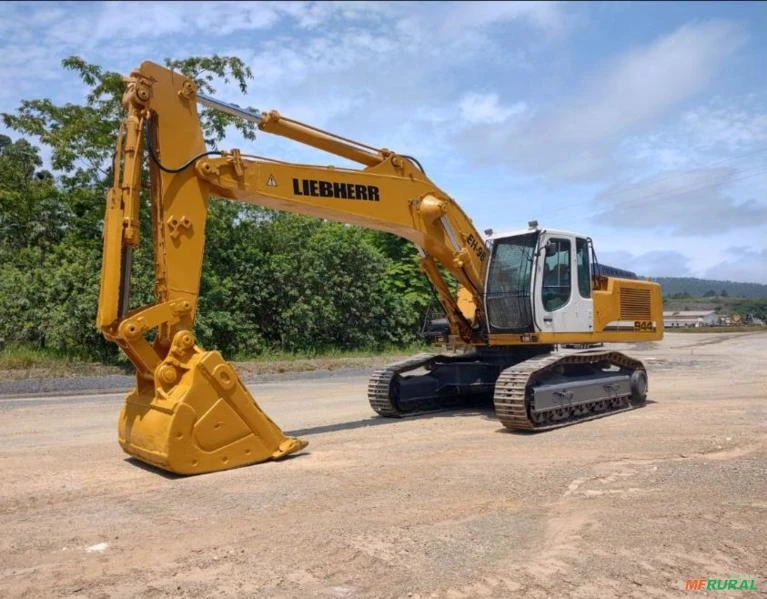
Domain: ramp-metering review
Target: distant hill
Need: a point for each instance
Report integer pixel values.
(700, 287)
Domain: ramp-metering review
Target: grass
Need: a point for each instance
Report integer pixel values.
(334, 359)
(22, 357)
(333, 353)
(20, 362)
(26, 362)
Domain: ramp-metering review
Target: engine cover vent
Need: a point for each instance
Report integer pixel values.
(635, 304)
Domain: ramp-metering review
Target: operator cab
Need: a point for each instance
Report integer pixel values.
(539, 280)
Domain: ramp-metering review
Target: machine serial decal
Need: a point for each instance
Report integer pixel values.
(477, 246)
(645, 326)
(342, 191)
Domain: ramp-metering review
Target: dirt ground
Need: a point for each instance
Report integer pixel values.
(449, 505)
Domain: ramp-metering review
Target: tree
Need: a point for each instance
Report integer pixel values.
(680, 295)
(270, 280)
(710, 293)
(30, 210)
(48, 293)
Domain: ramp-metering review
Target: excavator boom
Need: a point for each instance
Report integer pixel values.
(189, 412)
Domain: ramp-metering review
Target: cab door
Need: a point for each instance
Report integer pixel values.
(563, 285)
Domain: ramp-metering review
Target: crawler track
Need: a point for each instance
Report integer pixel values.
(514, 403)
(382, 395)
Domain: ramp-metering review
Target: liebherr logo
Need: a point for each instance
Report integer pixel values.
(342, 191)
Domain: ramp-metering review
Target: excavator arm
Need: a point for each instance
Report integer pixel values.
(189, 412)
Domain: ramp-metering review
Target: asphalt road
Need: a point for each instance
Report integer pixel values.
(448, 505)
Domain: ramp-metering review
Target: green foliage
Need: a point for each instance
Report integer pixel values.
(674, 286)
(31, 211)
(271, 281)
(403, 277)
(24, 358)
(756, 307)
(48, 298)
(204, 70)
(82, 137)
(276, 281)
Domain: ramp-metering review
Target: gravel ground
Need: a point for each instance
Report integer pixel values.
(447, 505)
(19, 383)
(119, 383)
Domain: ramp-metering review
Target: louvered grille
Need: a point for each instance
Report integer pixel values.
(635, 304)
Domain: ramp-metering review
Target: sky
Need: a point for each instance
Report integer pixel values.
(641, 125)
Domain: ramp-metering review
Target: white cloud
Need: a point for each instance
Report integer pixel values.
(731, 127)
(578, 138)
(129, 20)
(719, 132)
(735, 263)
(465, 16)
(659, 263)
(486, 108)
(345, 78)
(416, 77)
(453, 33)
(644, 83)
(310, 15)
(741, 264)
(105, 32)
(686, 202)
(115, 21)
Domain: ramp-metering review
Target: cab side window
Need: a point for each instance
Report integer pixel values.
(556, 275)
(584, 272)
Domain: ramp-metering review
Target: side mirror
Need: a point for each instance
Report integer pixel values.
(551, 249)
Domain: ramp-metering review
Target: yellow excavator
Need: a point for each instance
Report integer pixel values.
(520, 294)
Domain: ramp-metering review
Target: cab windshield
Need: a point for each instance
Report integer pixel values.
(508, 283)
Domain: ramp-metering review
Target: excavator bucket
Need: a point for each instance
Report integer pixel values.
(197, 416)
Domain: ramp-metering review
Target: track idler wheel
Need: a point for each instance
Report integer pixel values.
(638, 383)
(197, 416)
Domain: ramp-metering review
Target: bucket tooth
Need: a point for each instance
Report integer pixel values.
(198, 418)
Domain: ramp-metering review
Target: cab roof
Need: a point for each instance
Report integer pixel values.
(516, 232)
